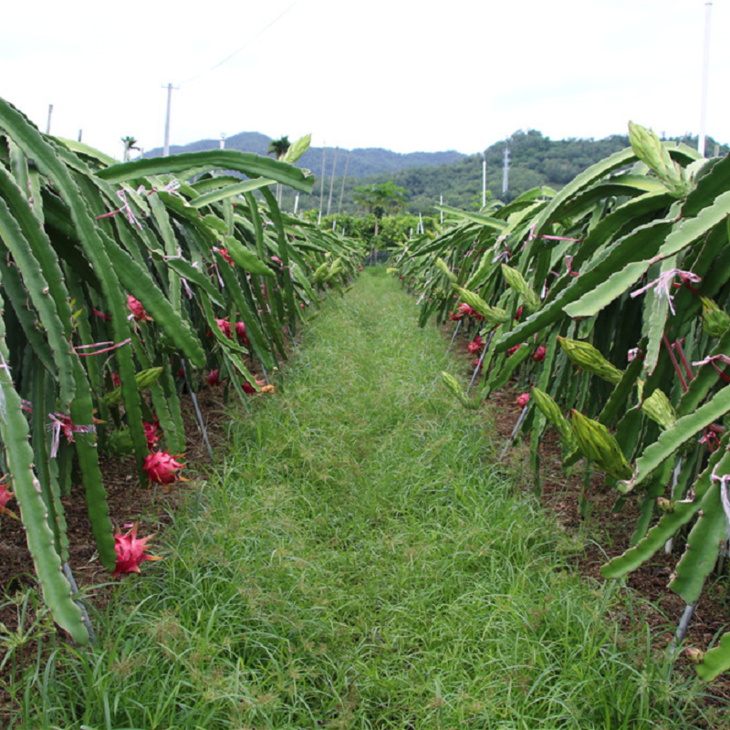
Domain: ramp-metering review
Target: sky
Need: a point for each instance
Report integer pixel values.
(402, 75)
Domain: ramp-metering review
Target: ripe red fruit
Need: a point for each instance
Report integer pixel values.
(513, 350)
(214, 378)
(5, 496)
(241, 333)
(138, 311)
(523, 400)
(161, 467)
(476, 345)
(224, 253)
(539, 354)
(150, 431)
(224, 326)
(130, 551)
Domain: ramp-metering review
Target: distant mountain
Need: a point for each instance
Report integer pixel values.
(428, 177)
(362, 161)
(534, 160)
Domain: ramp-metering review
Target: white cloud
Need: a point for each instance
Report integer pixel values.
(402, 75)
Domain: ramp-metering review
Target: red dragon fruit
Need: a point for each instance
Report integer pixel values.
(150, 431)
(539, 354)
(5, 496)
(214, 378)
(161, 467)
(224, 253)
(523, 400)
(138, 311)
(130, 551)
(476, 345)
(225, 327)
(241, 333)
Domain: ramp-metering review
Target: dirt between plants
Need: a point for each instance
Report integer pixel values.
(606, 534)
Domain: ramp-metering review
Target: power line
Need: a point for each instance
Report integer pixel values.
(238, 50)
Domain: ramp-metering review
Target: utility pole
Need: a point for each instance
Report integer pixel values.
(705, 77)
(50, 112)
(484, 179)
(342, 191)
(222, 143)
(441, 202)
(166, 148)
(332, 180)
(81, 131)
(505, 171)
(321, 184)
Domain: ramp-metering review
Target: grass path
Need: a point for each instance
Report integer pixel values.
(358, 562)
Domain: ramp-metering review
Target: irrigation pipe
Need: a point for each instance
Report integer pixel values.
(514, 432)
(84, 613)
(481, 360)
(198, 414)
(453, 337)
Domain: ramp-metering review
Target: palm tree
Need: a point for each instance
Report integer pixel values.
(279, 148)
(130, 143)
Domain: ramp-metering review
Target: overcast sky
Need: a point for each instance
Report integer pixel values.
(407, 76)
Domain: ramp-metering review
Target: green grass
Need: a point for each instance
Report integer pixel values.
(360, 561)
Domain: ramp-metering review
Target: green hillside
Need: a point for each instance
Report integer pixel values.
(362, 161)
(535, 160)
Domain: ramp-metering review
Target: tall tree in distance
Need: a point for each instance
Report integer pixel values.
(130, 143)
(279, 147)
(379, 199)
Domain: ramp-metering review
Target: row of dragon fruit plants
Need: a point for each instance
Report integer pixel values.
(608, 301)
(120, 282)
